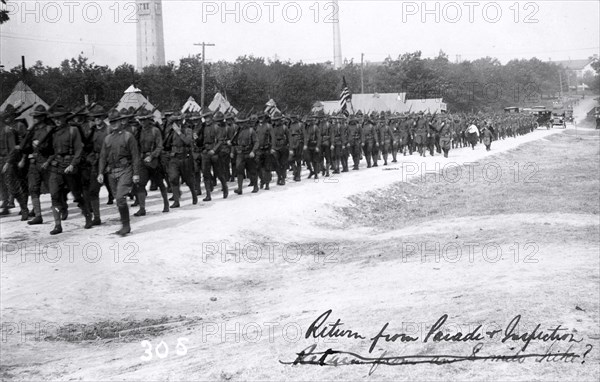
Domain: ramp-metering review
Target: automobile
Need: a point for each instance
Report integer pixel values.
(558, 119)
(512, 109)
(543, 117)
(597, 114)
(569, 116)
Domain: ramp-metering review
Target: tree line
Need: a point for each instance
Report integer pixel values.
(249, 82)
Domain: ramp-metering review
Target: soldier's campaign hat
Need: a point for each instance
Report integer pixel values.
(114, 115)
(352, 119)
(144, 114)
(97, 112)
(194, 116)
(218, 117)
(241, 118)
(276, 116)
(59, 111)
(176, 116)
(253, 117)
(39, 111)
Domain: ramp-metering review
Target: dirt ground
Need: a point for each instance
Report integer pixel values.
(228, 290)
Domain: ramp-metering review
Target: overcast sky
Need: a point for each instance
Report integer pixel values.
(104, 30)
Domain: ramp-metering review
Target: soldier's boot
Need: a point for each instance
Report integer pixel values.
(207, 186)
(11, 201)
(37, 208)
(64, 211)
(57, 219)
(4, 208)
(95, 203)
(153, 185)
(165, 198)
(89, 223)
(124, 212)
(141, 197)
(22, 200)
(255, 190)
(111, 200)
(176, 196)
(194, 196)
(137, 201)
(225, 190)
(240, 182)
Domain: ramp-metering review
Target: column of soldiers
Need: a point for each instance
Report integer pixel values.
(77, 152)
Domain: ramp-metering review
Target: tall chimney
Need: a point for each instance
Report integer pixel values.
(337, 43)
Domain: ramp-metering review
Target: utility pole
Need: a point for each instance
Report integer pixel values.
(362, 75)
(561, 88)
(204, 45)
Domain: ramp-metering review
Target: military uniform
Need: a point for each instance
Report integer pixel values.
(120, 158)
(325, 129)
(386, 139)
(312, 144)
(263, 156)
(339, 155)
(280, 147)
(245, 147)
(296, 134)
(370, 142)
(354, 141)
(11, 181)
(446, 129)
(181, 162)
(214, 136)
(150, 145)
(67, 156)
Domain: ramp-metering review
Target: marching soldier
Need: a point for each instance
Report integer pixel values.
(446, 129)
(214, 136)
(150, 142)
(354, 143)
(312, 142)
(264, 157)
(245, 146)
(325, 128)
(296, 133)
(181, 162)
(338, 146)
(229, 164)
(41, 150)
(421, 133)
(370, 141)
(487, 137)
(386, 139)
(98, 131)
(68, 148)
(280, 147)
(120, 158)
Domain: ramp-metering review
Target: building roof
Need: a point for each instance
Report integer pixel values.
(575, 64)
(22, 94)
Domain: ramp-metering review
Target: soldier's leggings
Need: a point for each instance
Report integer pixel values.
(313, 158)
(280, 161)
(211, 162)
(264, 161)
(355, 153)
(370, 151)
(16, 185)
(325, 157)
(58, 183)
(181, 166)
(245, 163)
(121, 183)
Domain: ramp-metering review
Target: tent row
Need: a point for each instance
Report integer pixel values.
(378, 102)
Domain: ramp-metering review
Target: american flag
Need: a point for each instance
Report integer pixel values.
(345, 97)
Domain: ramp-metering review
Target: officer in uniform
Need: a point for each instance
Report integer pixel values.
(214, 136)
(181, 163)
(120, 158)
(280, 147)
(421, 134)
(229, 164)
(68, 148)
(150, 142)
(386, 139)
(245, 145)
(264, 157)
(339, 136)
(296, 134)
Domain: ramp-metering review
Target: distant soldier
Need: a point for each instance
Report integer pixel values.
(446, 129)
(150, 147)
(312, 144)
(230, 162)
(338, 145)
(264, 159)
(245, 146)
(68, 148)
(296, 134)
(354, 141)
(370, 142)
(385, 138)
(120, 158)
(472, 134)
(421, 134)
(181, 162)
(325, 130)
(487, 137)
(280, 147)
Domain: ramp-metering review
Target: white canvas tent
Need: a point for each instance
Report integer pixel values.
(191, 106)
(133, 97)
(22, 94)
(392, 102)
(427, 105)
(221, 103)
